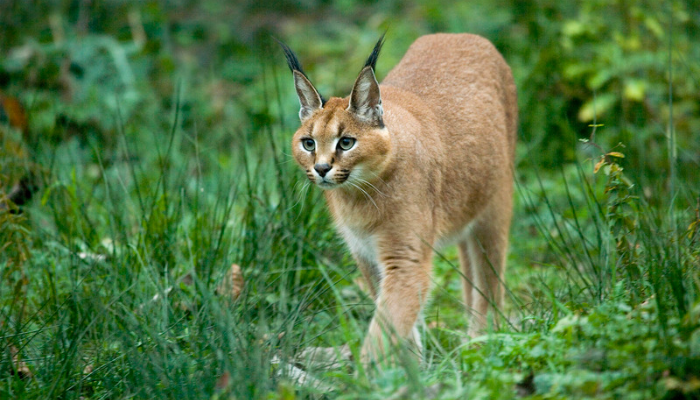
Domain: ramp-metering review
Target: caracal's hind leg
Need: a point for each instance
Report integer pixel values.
(487, 248)
(467, 275)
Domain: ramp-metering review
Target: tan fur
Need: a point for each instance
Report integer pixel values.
(438, 172)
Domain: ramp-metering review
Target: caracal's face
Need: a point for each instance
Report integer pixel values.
(337, 149)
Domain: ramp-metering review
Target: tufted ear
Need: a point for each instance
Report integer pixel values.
(309, 99)
(365, 99)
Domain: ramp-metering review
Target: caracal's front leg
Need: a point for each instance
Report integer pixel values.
(488, 245)
(404, 289)
(370, 274)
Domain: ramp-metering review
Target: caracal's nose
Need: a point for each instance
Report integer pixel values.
(322, 169)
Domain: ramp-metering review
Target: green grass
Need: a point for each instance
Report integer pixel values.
(150, 191)
(597, 310)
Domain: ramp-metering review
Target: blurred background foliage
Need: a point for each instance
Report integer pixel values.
(76, 64)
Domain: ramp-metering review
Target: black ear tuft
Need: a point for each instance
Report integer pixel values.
(372, 60)
(293, 62)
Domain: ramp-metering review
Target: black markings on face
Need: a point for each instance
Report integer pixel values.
(342, 175)
(341, 128)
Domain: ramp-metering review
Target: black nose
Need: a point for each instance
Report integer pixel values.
(322, 169)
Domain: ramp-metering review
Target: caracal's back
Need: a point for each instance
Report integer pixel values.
(465, 81)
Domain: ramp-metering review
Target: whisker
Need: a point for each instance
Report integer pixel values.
(376, 175)
(304, 193)
(285, 161)
(366, 194)
(301, 194)
(370, 185)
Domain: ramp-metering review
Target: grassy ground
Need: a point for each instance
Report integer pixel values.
(117, 276)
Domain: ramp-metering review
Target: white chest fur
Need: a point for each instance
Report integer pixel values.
(362, 245)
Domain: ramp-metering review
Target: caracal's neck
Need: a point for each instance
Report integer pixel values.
(364, 204)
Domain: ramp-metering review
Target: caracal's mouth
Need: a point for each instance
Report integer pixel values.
(326, 184)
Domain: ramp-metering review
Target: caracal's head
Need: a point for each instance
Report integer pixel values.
(341, 142)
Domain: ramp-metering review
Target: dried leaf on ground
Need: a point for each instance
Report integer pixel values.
(224, 381)
(20, 367)
(232, 283)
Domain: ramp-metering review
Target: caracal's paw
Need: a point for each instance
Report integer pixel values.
(385, 350)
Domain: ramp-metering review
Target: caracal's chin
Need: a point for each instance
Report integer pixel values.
(326, 185)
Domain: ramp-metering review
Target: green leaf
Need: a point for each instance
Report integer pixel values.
(596, 107)
(635, 90)
(616, 154)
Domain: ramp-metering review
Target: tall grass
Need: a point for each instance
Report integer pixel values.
(111, 282)
(606, 240)
(115, 276)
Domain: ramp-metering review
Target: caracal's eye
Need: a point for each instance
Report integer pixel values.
(309, 144)
(346, 143)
